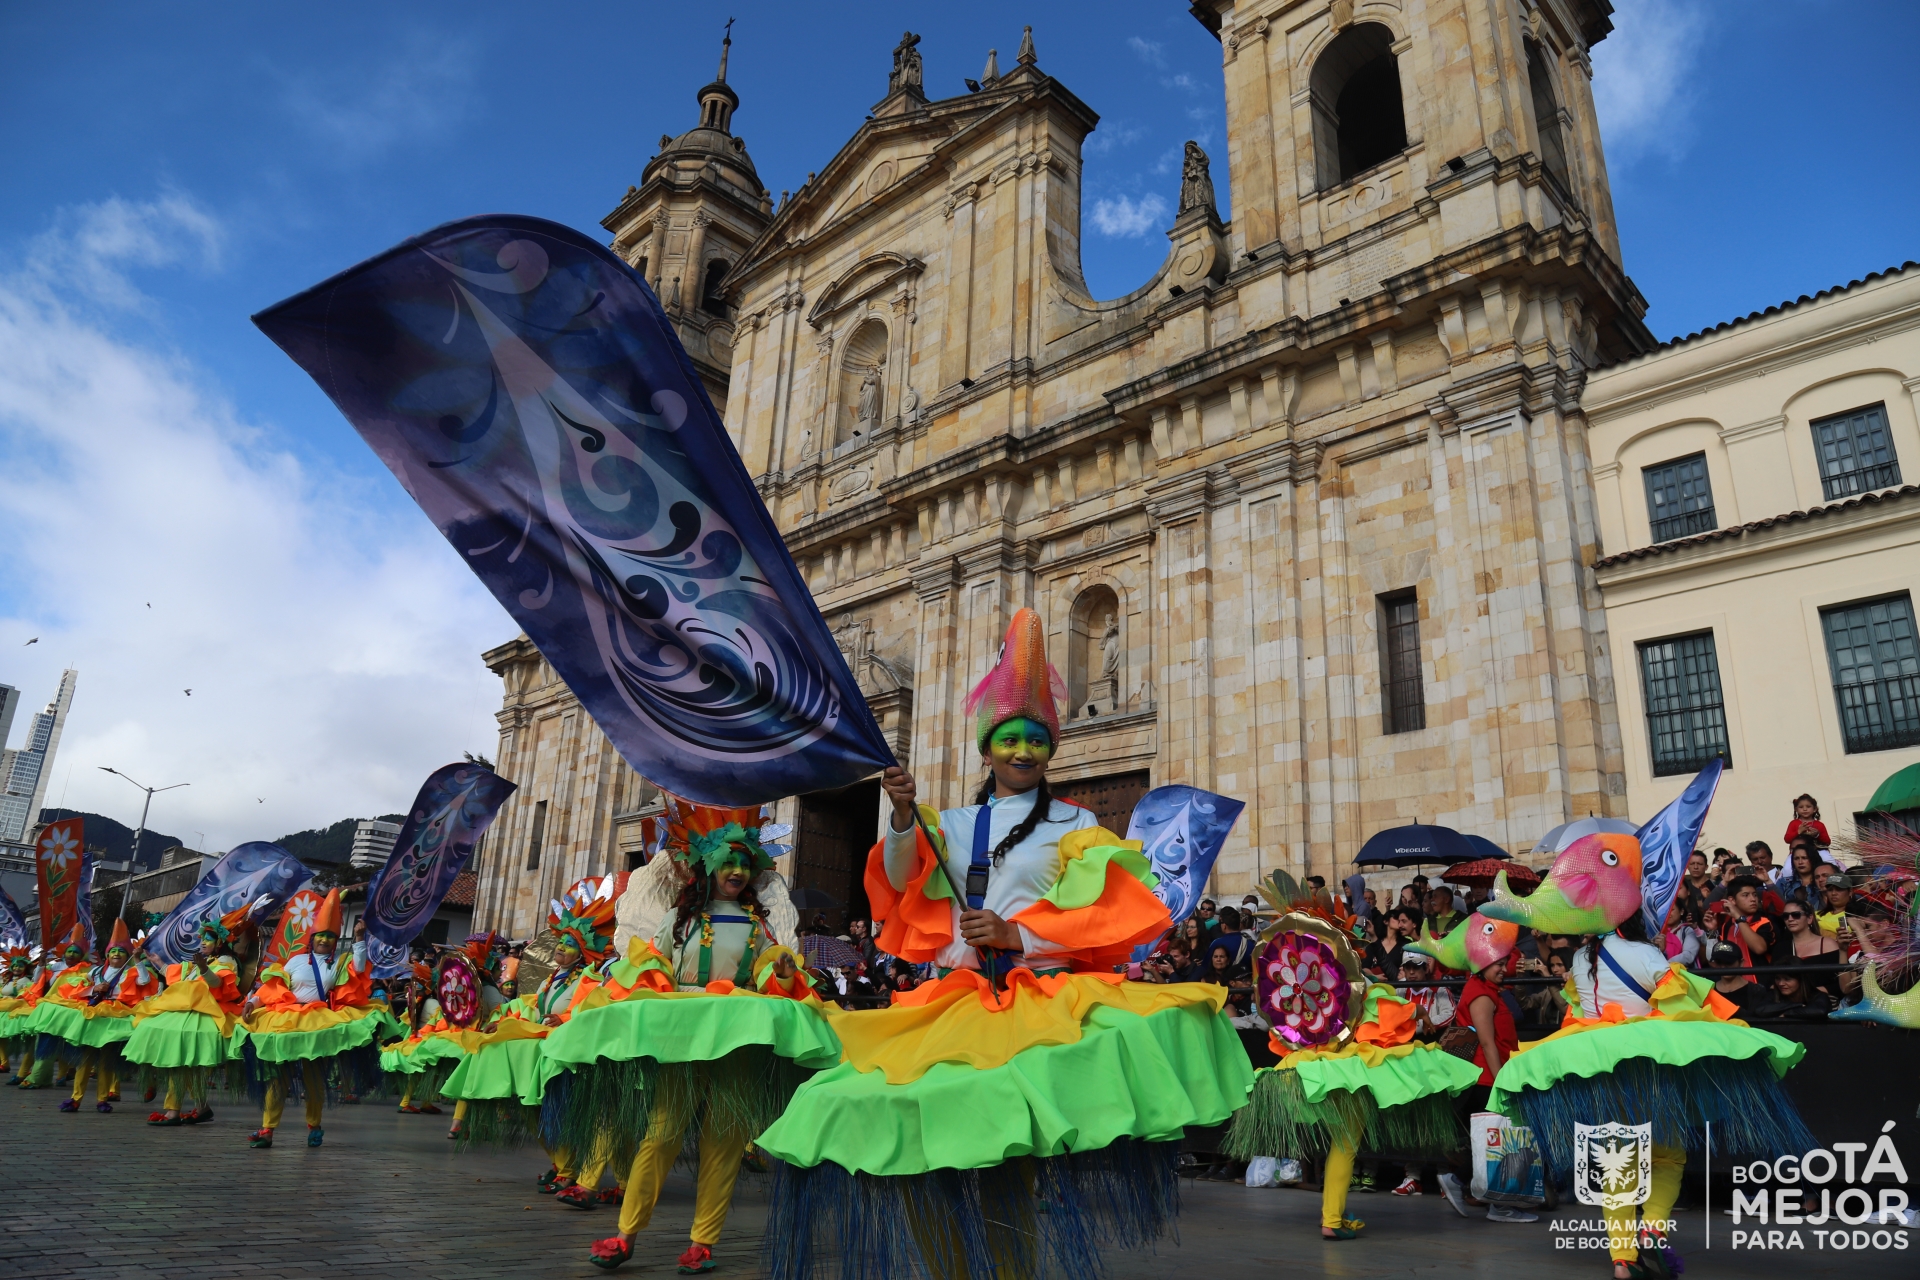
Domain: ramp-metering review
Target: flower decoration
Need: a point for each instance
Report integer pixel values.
(301, 912)
(1304, 989)
(59, 847)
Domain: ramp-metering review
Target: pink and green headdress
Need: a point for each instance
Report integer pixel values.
(1022, 684)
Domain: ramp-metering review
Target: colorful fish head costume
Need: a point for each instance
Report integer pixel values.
(1307, 976)
(1591, 888)
(583, 918)
(1470, 946)
(1022, 684)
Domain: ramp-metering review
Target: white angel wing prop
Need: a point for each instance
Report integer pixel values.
(783, 919)
(649, 896)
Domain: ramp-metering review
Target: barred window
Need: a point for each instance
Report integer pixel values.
(1856, 453)
(1876, 672)
(1686, 715)
(1403, 696)
(1679, 498)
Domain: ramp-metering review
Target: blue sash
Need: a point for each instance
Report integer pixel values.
(1626, 979)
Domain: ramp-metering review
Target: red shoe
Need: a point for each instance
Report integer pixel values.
(198, 1117)
(148, 1097)
(609, 1253)
(549, 1181)
(613, 1195)
(696, 1259)
(113, 1095)
(156, 1117)
(429, 1110)
(260, 1138)
(409, 1110)
(576, 1197)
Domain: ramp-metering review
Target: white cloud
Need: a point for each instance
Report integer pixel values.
(418, 93)
(1642, 78)
(1151, 52)
(1122, 216)
(1115, 134)
(1182, 81)
(331, 639)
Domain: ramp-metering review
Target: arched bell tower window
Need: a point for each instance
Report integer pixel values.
(710, 300)
(1358, 117)
(1546, 115)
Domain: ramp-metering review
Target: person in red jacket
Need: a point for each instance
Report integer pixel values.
(1806, 822)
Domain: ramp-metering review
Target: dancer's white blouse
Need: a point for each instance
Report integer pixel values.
(1028, 871)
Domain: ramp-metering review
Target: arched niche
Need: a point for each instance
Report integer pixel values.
(1096, 653)
(1546, 115)
(862, 403)
(1359, 120)
(711, 300)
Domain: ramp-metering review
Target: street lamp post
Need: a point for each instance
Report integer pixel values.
(140, 831)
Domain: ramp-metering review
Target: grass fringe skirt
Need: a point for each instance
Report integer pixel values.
(1279, 1121)
(1744, 1100)
(1027, 1218)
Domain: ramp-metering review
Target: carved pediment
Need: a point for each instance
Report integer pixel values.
(872, 275)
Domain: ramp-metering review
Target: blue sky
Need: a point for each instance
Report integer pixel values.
(183, 510)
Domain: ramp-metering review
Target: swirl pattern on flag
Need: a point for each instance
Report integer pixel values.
(1183, 830)
(526, 388)
(259, 872)
(455, 805)
(13, 925)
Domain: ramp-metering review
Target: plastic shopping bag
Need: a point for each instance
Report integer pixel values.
(1260, 1171)
(1507, 1168)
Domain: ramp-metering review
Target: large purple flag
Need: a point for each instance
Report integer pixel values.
(525, 387)
(252, 872)
(453, 809)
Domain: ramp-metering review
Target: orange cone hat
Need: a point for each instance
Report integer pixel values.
(329, 917)
(121, 938)
(78, 938)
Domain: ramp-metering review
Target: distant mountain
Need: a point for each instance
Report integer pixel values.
(328, 844)
(115, 839)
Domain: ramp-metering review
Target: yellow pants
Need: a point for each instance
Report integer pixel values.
(433, 1095)
(199, 1099)
(460, 1111)
(25, 1068)
(720, 1152)
(1623, 1224)
(107, 1063)
(1334, 1180)
(314, 1075)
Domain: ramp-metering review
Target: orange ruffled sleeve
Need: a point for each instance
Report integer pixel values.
(1103, 905)
(918, 923)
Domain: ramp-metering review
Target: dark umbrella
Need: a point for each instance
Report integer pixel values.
(1485, 848)
(1415, 845)
(827, 952)
(814, 900)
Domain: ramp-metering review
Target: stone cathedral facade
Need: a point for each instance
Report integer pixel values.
(1309, 513)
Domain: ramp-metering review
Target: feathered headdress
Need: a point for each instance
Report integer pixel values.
(584, 913)
(224, 927)
(1022, 682)
(713, 836)
(480, 948)
(9, 954)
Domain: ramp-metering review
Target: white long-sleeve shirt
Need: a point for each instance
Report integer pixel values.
(1028, 871)
(1643, 962)
(312, 978)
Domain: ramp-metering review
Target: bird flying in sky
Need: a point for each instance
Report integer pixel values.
(189, 693)
(35, 640)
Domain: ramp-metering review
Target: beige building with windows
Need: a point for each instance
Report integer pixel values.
(1309, 513)
(1763, 541)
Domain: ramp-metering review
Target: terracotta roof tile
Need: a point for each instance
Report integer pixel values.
(1753, 526)
(1775, 310)
(460, 892)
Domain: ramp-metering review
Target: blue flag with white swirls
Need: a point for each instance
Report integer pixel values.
(456, 804)
(258, 872)
(1666, 842)
(1182, 830)
(527, 390)
(13, 925)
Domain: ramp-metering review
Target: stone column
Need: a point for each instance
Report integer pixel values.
(693, 286)
(936, 583)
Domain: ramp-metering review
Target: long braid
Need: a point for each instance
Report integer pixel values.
(1042, 808)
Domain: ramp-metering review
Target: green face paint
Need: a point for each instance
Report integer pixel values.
(1020, 737)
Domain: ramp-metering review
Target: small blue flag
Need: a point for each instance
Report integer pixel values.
(258, 872)
(455, 806)
(525, 387)
(1183, 830)
(1666, 842)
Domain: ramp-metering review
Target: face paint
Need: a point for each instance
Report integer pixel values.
(1019, 738)
(116, 955)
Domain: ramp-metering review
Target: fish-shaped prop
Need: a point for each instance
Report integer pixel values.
(525, 387)
(1470, 946)
(1591, 888)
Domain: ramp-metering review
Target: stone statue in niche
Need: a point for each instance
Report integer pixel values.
(1103, 666)
(906, 64)
(1196, 180)
(869, 415)
(1110, 649)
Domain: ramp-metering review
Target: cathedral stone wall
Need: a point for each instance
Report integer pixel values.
(1367, 384)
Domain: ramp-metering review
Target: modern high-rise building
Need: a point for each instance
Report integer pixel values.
(30, 767)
